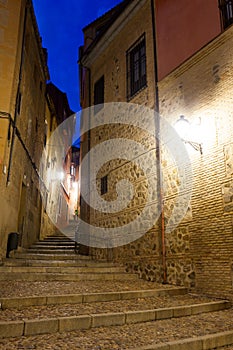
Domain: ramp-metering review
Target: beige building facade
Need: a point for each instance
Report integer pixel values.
(191, 247)
(23, 129)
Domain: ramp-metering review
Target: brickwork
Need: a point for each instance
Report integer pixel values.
(202, 93)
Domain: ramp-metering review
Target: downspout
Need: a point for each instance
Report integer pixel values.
(158, 147)
(17, 96)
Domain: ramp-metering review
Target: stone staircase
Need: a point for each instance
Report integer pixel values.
(55, 259)
(105, 307)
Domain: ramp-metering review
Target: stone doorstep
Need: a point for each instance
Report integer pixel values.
(53, 325)
(206, 342)
(21, 302)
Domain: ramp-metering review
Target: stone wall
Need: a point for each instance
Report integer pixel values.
(197, 194)
(201, 89)
(20, 196)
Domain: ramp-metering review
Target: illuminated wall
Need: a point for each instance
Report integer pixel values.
(22, 86)
(201, 90)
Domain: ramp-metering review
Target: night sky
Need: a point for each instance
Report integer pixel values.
(60, 24)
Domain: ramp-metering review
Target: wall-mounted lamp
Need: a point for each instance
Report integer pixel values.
(184, 130)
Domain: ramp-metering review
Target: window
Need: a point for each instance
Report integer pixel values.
(136, 67)
(226, 8)
(99, 94)
(104, 185)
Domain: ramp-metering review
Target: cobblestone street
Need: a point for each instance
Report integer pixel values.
(130, 336)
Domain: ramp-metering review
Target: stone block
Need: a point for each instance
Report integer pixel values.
(180, 311)
(19, 303)
(110, 319)
(154, 347)
(213, 341)
(95, 297)
(68, 324)
(125, 295)
(11, 329)
(161, 314)
(43, 326)
(65, 299)
(140, 316)
(184, 344)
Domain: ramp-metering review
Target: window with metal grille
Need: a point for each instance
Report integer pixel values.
(136, 67)
(226, 9)
(104, 185)
(99, 94)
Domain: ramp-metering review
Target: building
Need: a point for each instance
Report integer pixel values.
(23, 79)
(31, 111)
(177, 62)
(58, 168)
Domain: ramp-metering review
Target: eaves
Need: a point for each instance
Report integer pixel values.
(90, 56)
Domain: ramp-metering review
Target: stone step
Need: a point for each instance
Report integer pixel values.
(57, 239)
(45, 256)
(50, 251)
(22, 302)
(65, 270)
(54, 263)
(55, 250)
(52, 244)
(205, 342)
(43, 276)
(50, 247)
(30, 327)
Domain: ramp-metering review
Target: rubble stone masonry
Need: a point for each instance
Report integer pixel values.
(199, 250)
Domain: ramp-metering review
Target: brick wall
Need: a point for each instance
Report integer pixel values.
(201, 89)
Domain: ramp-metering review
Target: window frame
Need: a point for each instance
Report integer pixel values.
(136, 64)
(226, 13)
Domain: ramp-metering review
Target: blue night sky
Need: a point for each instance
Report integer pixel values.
(60, 24)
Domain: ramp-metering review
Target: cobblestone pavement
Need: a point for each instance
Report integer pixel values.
(108, 338)
(64, 310)
(128, 336)
(17, 289)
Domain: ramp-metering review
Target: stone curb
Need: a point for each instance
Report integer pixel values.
(21, 302)
(206, 342)
(61, 324)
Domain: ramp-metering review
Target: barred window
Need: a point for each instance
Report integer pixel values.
(226, 9)
(136, 67)
(104, 185)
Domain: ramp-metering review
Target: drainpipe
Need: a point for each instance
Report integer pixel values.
(17, 96)
(158, 147)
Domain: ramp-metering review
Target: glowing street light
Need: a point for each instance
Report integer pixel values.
(184, 130)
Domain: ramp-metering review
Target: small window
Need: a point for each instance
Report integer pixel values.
(104, 185)
(226, 9)
(99, 94)
(136, 67)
